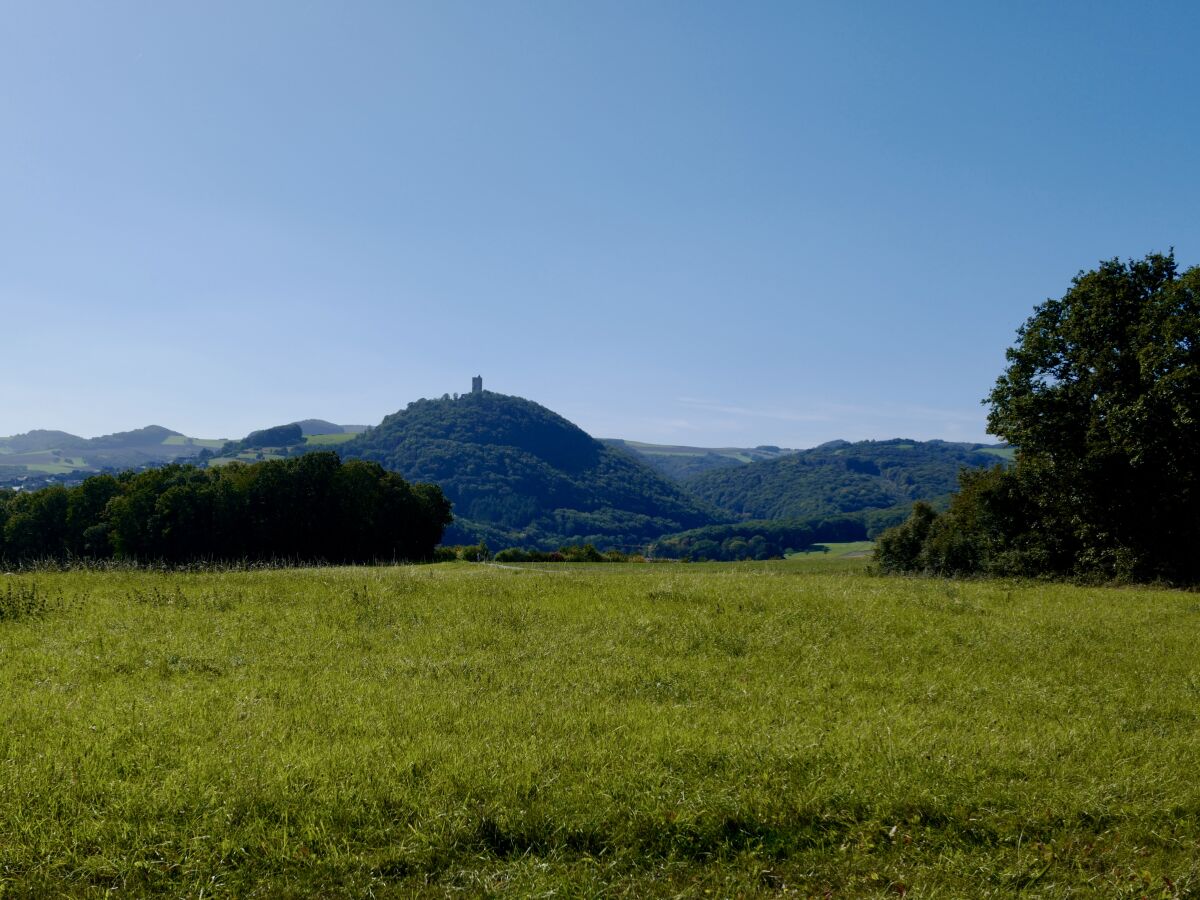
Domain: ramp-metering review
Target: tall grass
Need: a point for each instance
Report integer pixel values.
(605, 730)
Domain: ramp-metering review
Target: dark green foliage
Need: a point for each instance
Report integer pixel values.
(877, 521)
(901, 549)
(757, 540)
(318, 426)
(840, 477)
(279, 436)
(518, 474)
(36, 525)
(683, 468)
(570, 553)
(680, 463)
(310, 508)
(1102, 397)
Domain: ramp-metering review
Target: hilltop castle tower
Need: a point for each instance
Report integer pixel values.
(477, 384)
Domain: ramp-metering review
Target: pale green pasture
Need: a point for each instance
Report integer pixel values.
(58, 467)
(179, 440)
(850, 550)
(324, 440)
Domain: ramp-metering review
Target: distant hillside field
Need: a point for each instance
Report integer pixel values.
(519, 474)
(842, 477)
(327, 440)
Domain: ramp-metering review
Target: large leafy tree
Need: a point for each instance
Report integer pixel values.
(1101, 396)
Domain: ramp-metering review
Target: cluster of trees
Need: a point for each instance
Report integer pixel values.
(311, 508)
(757, 540)
(276, 437)
(568, 553)
(1101, 396)
(464, 552)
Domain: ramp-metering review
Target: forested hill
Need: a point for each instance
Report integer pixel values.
(680, 463)
(519, 474)
(842, 477)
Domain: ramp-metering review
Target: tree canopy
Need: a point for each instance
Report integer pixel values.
(1101, 396)
(311, 508)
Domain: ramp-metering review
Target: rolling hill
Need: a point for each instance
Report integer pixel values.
(681, 463)
(519, 474)
(37, 457)
(842, 477)
(44, 454)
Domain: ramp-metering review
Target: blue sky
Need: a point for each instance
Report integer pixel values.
(705, 223)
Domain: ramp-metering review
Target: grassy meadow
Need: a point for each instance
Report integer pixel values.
(851, 553)
(328, 440)
(796, 727)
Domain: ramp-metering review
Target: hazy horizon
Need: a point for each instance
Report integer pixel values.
(678, 223)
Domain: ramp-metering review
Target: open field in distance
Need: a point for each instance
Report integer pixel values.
(180, 440)
(619, 730)
(851, 554)
(328, 440)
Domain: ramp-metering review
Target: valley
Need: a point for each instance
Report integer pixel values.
(520, 475)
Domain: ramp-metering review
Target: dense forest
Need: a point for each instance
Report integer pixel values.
(313, 508)
(841, 477)
(1102, 396)
(521, 475)
(682, 463)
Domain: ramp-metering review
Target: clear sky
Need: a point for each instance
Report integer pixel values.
(706, 223)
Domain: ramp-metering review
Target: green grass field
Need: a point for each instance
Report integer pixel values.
(179, 440)
(852, 553)
(328, 440)
(58, 467)
(706, 730)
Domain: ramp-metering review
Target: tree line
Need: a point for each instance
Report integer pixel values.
(757, 540)
(1101, 397)
(311, 508)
